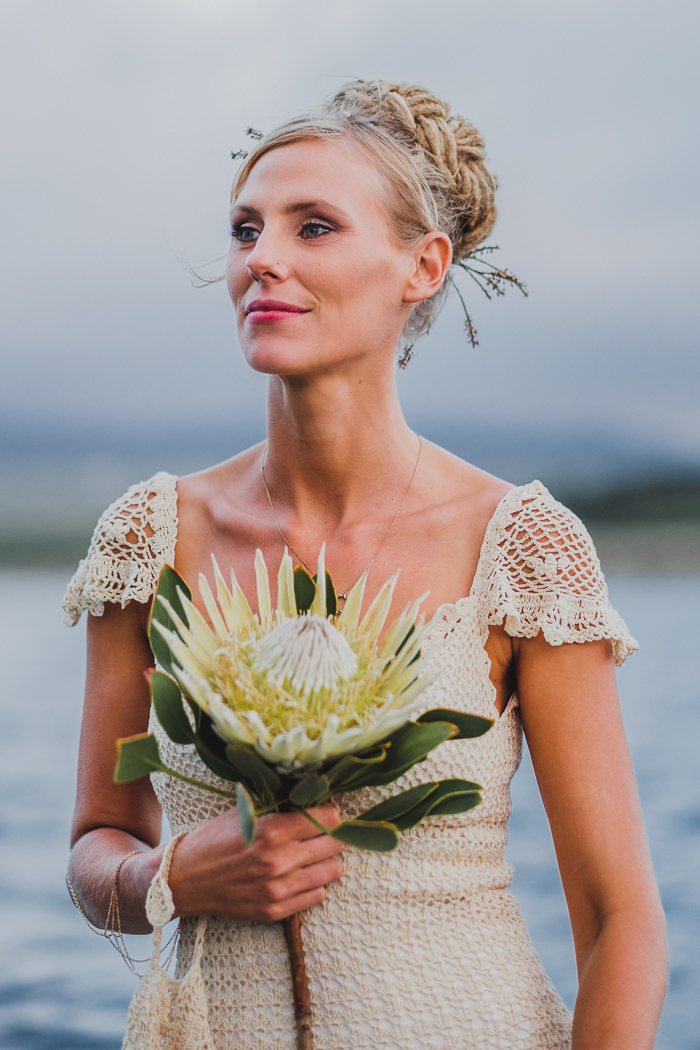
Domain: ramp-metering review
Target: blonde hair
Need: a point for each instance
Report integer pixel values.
(433, 162)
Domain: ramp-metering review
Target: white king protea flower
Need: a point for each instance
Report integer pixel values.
(297, 684)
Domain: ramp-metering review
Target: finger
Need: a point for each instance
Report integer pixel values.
(282, 910)
(311, 851)
(303, 880)
(327, 815)
(283, 827)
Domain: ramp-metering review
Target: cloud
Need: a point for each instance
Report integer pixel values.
(119, 126)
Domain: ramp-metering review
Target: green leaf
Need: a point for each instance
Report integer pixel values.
(364, 834)
(210, 747)
(304, 589)
(460, 802)
(137, 756)
(331, 599)
(355, 771)
(309, 792)
(218, 766)
(468, 725)
(246, 813)
(413, 742)
(168, 583)
(397, 805)
(167, 702)
(259, 778)
(437, 798)
(208, 736)
(451, 797)
(381, 777)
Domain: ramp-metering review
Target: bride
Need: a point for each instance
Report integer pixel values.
(344, 226)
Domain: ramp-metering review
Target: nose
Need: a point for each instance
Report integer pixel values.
(265, 261)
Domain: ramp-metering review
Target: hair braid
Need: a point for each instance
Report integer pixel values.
(448, 143)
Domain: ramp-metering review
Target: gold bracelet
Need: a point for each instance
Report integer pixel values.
(113, 926)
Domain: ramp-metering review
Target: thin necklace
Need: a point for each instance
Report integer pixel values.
(342, 595)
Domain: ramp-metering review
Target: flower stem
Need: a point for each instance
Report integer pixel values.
(300, 982)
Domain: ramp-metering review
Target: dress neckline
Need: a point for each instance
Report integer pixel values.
(514, 495)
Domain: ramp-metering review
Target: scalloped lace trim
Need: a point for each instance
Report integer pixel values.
(132, 541)
(539, 571)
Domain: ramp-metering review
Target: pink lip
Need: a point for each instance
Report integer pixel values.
(268, 311)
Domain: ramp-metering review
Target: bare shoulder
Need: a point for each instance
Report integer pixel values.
(203, 492)
(461, 486)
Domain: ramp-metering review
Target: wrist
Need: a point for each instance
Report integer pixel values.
(179, 883)
(136, 876)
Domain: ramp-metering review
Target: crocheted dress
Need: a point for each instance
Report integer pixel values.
(424, 946)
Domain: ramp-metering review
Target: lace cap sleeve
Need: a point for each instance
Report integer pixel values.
(540, 572)
(132, 541)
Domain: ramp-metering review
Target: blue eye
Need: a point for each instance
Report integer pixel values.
(312, 230)
(245, 234)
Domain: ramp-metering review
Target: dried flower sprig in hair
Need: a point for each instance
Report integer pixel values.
(491, 279)
(252, 133)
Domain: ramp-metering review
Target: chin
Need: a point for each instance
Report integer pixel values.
(276, 357)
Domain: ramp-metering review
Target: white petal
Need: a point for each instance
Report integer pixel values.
(257, 725)
(314, 754)
(286, 601)
(318, 605)
(282, 748)
(240, 602)
(233, 603)
(265, 751)
(212, 608)
(199, 626)
(406, 659)
(400, 627)
(195, 687)
(182, 628)
(182, 650)
(228, 724)
(349, 740)
(350, 616)
(262, 582)
(379, 609)
(226, 603)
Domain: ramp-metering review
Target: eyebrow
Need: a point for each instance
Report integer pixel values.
(293, 208)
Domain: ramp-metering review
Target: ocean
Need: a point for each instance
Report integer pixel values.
(63, 988)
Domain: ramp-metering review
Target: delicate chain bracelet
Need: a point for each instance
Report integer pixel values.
(113, 926)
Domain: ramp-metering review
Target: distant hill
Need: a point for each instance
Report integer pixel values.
(55, 482)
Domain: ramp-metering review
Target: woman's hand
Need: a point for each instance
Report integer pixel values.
(284, 870)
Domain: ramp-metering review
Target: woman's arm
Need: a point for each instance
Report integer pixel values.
(214, 872)
(574, 730)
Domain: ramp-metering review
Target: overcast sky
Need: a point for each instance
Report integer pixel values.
(117, 126)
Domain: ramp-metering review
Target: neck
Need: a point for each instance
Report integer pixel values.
(337, 444)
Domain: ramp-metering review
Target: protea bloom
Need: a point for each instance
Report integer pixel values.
(296, 704)
(297, 685)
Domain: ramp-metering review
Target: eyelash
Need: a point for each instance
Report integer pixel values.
(239, 228)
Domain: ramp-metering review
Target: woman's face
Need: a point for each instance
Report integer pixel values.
(313, 272)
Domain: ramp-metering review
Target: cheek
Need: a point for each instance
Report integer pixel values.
(370, 280)
(236, 276)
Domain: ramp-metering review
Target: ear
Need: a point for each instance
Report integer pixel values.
(431, 261)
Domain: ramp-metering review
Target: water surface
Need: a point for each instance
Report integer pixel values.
(63, 988)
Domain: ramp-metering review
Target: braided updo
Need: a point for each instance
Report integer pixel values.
(433, 161)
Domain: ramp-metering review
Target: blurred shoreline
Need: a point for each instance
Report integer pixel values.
(641, 504)
(659, 534)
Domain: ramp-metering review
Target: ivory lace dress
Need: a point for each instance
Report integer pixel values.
(424, 946)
